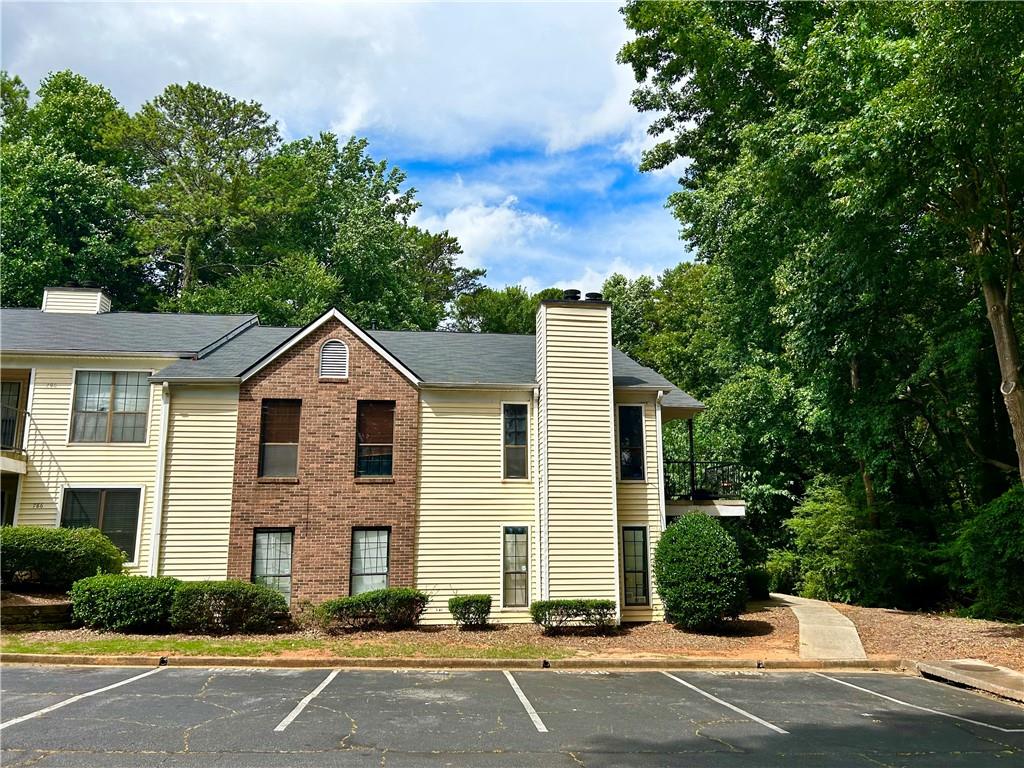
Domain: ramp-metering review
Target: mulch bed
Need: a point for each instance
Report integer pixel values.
(930, 636)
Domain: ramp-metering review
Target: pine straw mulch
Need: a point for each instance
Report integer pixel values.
(930, 636)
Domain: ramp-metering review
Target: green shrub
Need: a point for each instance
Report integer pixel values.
(783, 569)
(55, 558)
(219, 607)
(555, 615)
(699, 573)
(990, 549)
(756, 580)
(392, 608)
(123, 603)
(470, 610)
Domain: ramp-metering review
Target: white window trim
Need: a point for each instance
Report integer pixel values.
(650, 578)
(643, 443)
(501, 568)
(320, 360)
(111, 487)
(529, 441)
(69, 443)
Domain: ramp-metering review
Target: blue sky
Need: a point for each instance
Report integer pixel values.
(512, 120)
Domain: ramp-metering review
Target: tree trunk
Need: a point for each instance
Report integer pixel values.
(865, 475)
(1008, 352)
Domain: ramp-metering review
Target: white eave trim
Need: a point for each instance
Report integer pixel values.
(525, 387)
(331, 314)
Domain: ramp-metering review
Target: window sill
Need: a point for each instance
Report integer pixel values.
(332, 380)
(278, 480)
(637, 481)
(375, 480)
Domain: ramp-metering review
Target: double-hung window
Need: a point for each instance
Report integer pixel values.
(279, 438)
(516, 456)
(110, 407)
(634, 566)
(515, 566)
(631, 442)
(375, 437)
(370, 553)
(115, 511)
(272, 559)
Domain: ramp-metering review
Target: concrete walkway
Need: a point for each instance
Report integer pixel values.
(975, 673)
(825, 634)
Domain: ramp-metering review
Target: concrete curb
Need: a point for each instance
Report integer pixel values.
(880, 663)
(976, 674)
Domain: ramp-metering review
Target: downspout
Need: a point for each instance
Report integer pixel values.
(541, 521)
(158, 488)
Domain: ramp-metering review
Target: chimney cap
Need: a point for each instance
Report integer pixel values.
(570, 294)
(595, 296)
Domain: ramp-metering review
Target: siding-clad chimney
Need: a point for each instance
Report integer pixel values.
(75, 299)
(577, 508)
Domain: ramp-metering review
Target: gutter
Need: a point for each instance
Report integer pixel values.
(156, 529)
(158, 379)
(524, 386)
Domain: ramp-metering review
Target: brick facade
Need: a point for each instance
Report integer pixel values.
(326, 501)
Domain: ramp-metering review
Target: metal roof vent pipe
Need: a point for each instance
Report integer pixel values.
(570, 294)
(595, 297)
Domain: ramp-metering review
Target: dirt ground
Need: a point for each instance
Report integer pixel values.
(924, 636)
(30, 598)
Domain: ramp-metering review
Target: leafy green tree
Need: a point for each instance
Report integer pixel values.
(76, 116)
(196, 155)
(632, 310)
(511, 309)
(13, 106)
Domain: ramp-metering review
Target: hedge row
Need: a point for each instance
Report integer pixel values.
(554, 615)
(394, 608)
(153, 604)
(55, 558)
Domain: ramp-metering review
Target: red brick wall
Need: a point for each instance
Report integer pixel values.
(327, 500)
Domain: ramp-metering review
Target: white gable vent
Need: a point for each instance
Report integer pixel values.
(334, 360)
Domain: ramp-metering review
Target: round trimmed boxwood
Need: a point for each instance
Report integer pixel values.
(470, 611)
(124, 603)
(55, 558)
(220, 607)
(699, 573)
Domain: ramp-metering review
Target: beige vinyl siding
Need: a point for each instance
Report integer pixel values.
(639, 502)
(54, 463)
(89, 302)
(579, 432)
(198, 481)
(464, 502)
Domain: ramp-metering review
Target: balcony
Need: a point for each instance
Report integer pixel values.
(12, 427)
(712, 487)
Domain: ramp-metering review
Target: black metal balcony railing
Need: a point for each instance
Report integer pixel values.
(702, 480)
(12, 422)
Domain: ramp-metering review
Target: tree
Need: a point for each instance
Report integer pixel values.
(76, 116)
(632, 310)
(64, 222)
(509, 310)
(13, 106)
(196, 154)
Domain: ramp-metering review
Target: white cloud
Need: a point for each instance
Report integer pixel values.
(444, 79)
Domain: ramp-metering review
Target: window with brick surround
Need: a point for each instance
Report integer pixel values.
(515, 459)
(375, 436)
(279, 438)
(110, 407)
(334, 360)
(370, 556)
(115, 511)
(272, 559)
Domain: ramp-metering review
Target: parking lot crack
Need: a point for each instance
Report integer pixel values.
(576, 759)
(353, 727)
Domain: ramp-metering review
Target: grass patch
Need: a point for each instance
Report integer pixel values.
(126, 645)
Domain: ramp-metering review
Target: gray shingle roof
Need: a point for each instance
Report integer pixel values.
(31, 330)
(229, 360)
(230, 344)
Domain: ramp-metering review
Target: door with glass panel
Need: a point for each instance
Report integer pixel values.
(515, 567)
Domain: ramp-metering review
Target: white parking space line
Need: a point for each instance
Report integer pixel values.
(79, 697)
(726, 704)
(541, 728)
(922, 709)
(305, 701)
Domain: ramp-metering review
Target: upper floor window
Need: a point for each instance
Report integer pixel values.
(375, 438)
(110, 407)
(279, 438)
(334, 360)
(115, 511)
(631, 442)
(515, 460)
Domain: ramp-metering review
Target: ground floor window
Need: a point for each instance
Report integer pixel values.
(634, 565)
(115, 511)
(370, 552)
(515, 566)
(272, 559)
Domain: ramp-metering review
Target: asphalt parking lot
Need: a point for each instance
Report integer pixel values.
(230, 718)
